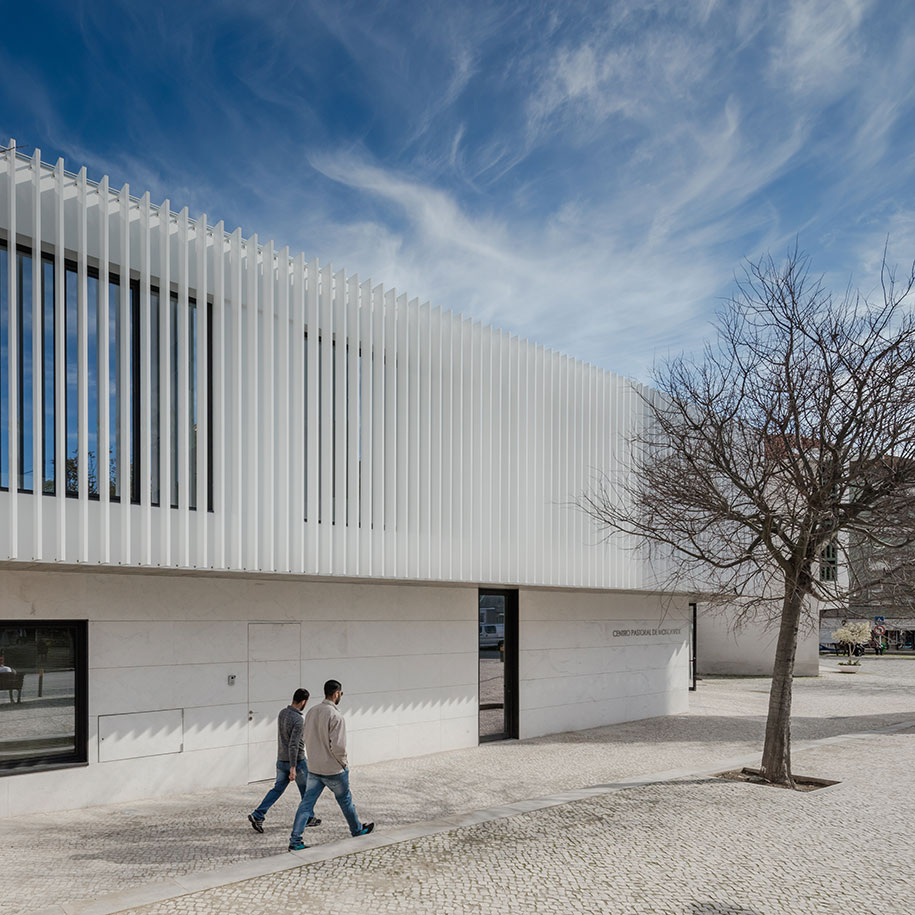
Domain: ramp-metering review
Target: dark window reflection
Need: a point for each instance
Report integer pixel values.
(38, 693)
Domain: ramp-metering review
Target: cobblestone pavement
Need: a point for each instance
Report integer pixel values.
(78, 855)
(687, 847)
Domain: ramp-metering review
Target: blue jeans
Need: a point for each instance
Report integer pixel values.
(339, 784)
(282, 782)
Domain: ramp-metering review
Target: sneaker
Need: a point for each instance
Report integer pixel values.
(313, 821)
(256, 824)
(366, 829)
(297, 846)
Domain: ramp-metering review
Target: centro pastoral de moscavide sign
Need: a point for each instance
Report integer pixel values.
(644, 633)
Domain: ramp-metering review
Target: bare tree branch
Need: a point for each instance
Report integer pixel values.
(793, 434)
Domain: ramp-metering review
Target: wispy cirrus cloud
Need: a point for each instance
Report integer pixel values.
(588, 175)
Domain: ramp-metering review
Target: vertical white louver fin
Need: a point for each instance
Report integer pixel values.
(278, 415)
(12, 349)
(36, 305)
(103, 326)
(126, 370)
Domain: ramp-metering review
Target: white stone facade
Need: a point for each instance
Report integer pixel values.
(164, 718)
(749, 649)
(309, 477)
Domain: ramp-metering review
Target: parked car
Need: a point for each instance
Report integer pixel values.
(492, 635)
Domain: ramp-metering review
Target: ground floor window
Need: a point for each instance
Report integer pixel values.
(43, 675)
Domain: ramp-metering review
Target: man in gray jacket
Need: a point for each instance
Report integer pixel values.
(291, 765)
(325, 741)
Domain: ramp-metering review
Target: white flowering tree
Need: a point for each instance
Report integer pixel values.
(851, 635)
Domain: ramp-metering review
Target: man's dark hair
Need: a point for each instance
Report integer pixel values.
(300, 695)
(330, 687)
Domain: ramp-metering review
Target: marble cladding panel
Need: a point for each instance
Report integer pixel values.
(142, 596)
(460, 732)
(44, 595)
(274, 642)
(552, 634)
(215, 726)
(121, 689)
(541, 663)
(128, 780)
(366, 639)
(367, 676)
(596, 605)
(324, 639)
(541, 721)
(396, 602)
(378, 638)
(723, 648)
(116, 643)
(402, 741)
(560, 691)
(371, 745)
(419, 738)
(582, 664)
(458, 668)
(408, 706)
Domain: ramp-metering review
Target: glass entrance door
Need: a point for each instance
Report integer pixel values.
(498, 660)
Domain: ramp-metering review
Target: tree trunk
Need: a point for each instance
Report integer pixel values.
(776, 760)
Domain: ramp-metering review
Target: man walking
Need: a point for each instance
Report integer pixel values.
(291, 765)
(325, 741)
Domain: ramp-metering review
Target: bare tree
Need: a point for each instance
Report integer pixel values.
(756, 463)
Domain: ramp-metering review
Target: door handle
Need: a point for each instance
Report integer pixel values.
(250, 714)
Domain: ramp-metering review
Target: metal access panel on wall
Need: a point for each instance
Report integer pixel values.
(136, 734)
(274, 670)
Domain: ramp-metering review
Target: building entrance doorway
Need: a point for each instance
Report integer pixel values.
(498, 664)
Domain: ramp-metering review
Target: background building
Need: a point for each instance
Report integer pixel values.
(227, 472)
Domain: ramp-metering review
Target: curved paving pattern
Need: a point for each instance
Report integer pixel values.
(683, 848)
(60, 860)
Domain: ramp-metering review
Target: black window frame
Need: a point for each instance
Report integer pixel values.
(133, 447)
(80, 754)
(511, 683)
(13, 263)
(829, 563)
(133, 450)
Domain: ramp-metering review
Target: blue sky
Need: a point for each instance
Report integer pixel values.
(588, 175)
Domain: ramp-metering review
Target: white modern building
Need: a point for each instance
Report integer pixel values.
(226, 472)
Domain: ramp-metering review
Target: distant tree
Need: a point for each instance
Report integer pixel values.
(851, 635)
(794, 432)
(72, 473)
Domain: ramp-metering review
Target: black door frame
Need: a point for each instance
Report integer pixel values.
(510, 671)
(694, 619)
